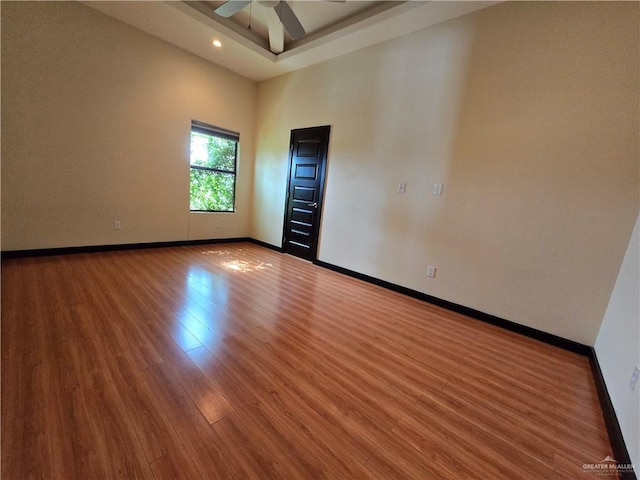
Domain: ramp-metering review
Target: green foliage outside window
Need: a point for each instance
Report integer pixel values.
(213, 172)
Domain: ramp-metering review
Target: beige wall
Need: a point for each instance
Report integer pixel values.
(95, 128)
(526, 112)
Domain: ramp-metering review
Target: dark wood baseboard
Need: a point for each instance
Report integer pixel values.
(470, 312)
(266, 245)
(620, 452)
(44, 252)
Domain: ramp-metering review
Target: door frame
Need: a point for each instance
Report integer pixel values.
(323, 173)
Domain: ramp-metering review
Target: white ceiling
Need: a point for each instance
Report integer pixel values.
(333, 29)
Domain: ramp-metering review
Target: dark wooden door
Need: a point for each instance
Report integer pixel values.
(307, 165)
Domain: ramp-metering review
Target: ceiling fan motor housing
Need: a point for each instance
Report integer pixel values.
(284, 17)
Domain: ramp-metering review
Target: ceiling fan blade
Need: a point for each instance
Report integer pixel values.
(276, 32)
(231, 7)
(290, 21)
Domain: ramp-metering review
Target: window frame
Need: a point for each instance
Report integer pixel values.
(211, 130)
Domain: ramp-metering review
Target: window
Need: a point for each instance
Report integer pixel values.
(214, 153)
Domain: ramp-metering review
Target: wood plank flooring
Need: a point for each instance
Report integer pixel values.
(234, 361)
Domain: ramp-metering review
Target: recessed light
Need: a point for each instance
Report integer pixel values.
(217, 43)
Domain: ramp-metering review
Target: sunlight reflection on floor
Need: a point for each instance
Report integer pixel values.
(220, 253)
(242, 266)
(238, 265)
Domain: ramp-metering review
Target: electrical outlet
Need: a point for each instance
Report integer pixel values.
(117, 225)
(437, 189)
(634, 378)
(431, 271)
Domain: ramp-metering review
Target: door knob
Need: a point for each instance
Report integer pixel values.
(314, 205)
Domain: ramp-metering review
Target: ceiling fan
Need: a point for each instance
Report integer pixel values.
(279, 15)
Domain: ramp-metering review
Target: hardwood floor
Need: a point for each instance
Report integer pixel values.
(234, 361)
